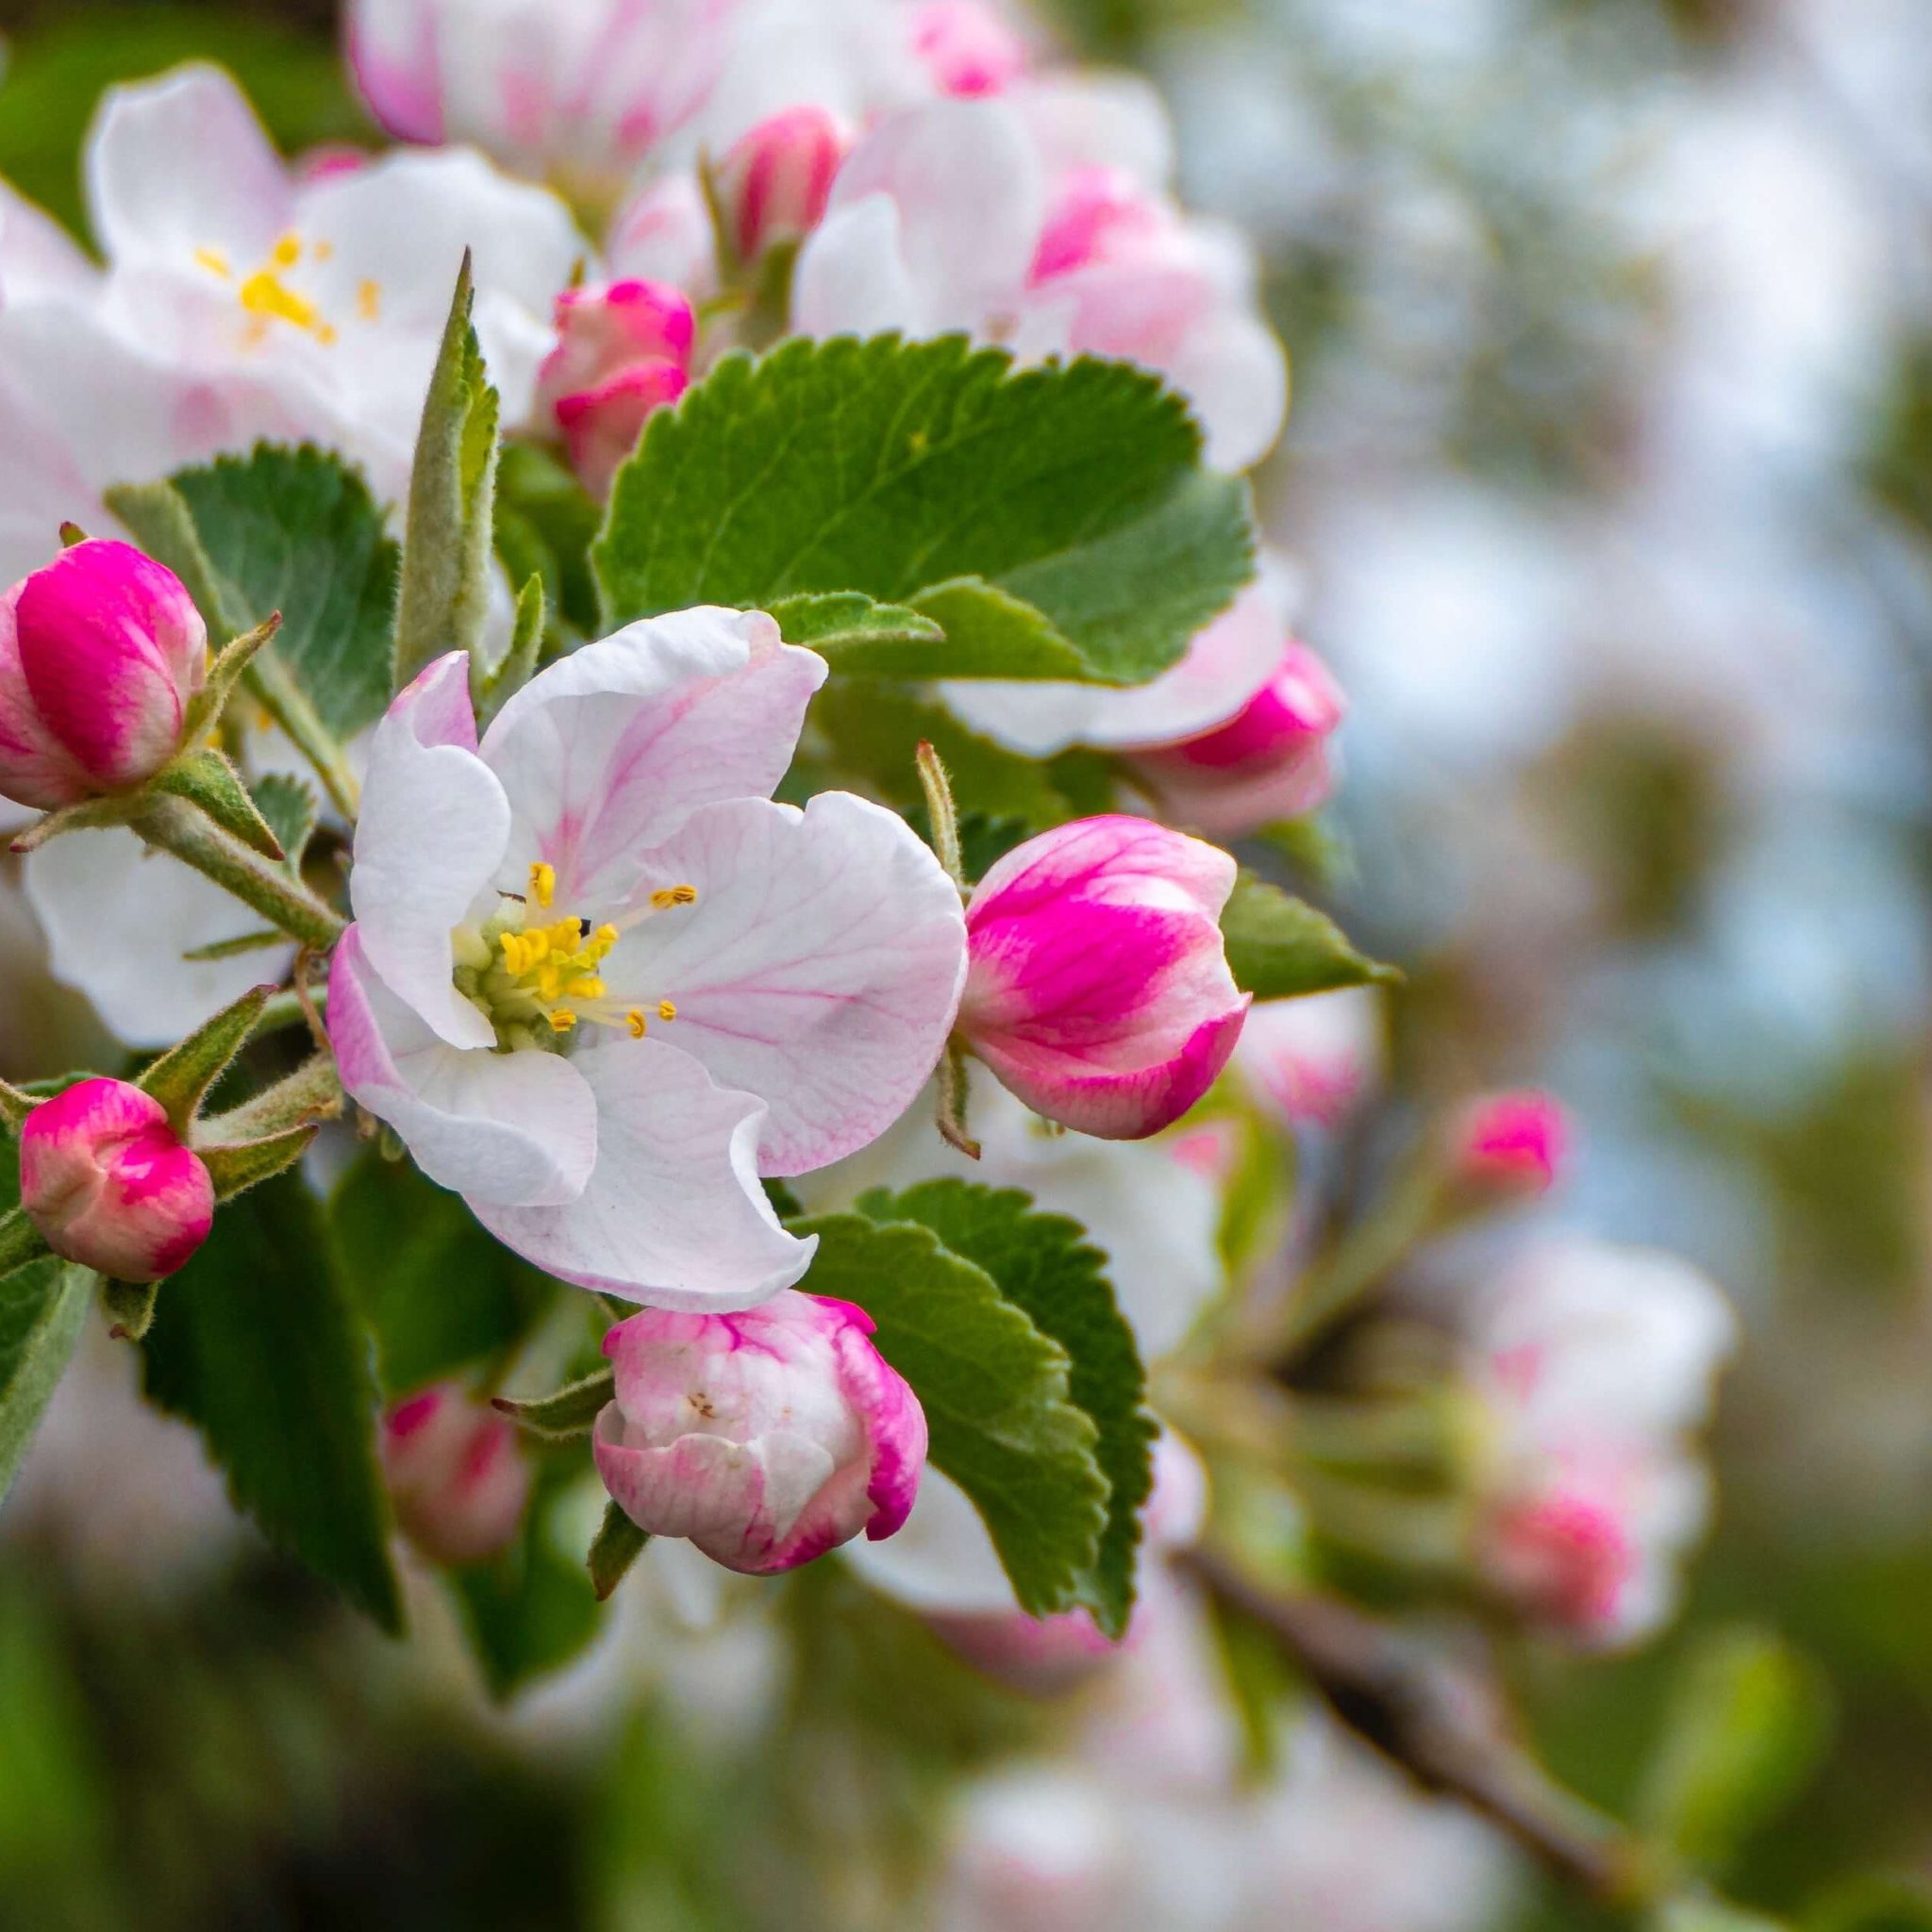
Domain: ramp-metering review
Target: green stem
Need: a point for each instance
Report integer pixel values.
(20, 1242)
(283, 700)
(284, 1009)
(313, 1091)
(177, 827)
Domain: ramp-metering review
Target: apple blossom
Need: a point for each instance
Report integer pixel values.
(100, 653)
(596, 979)
(456, 1474)
(776, 177)
(961, 215)
(1594, 1363)
(1099, 989)
(1310, 1062)
(766, 1438)
(1509, 1143)
(966, 47)
(109, 1184)
(242, 299)
(623, 350)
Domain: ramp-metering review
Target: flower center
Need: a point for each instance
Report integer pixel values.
(539, 979)
(268, 296)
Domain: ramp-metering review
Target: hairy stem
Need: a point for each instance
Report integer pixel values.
(312, 1093)
(177, 827)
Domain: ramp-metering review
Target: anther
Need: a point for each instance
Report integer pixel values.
(634, 1020)
(667, 896)
(543, 883)
(666, 1010)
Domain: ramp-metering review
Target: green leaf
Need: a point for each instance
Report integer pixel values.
(569, 1412)
(257, 1343)
(293, 530)
(1043, 1264)
(288, 804)
(208, 781)
(1873, 1905)
(437, 1291)
(864, 639)
(1747, 1725)
(1054, 521)
(1279, 947)
(1709, 1915)
(996, 1394)
(534, 1607)
(446, 550)
(618, 1545)
(41, 1309)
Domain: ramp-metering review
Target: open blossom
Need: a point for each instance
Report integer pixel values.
(100, 653)
(242, 299)
(597, 981)
(109, 1184)
(456, 1474)
(1595, 1363)
(970, 214)
(1099, 990)
(1509, 1143)
(766, 1438)
(623, 350)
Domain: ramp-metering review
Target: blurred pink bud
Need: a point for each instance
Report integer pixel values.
(623, 350)
(1565, 1558)
(1272, 761)
(100, 653)
(766, 1437)
(1098, 989)
(1510, 1144)
(774, 181)
(1311, 1061)
(967, 48)
(456, 1474)
(109, 1183)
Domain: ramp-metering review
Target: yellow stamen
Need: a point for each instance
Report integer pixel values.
(369, 300)
(266, 295)
(604, 938)
(215, 263)
(542, 884)
(287, 252)
(585, 988)
(667, 896)
(561, 1019)
(635, 1021)
(666, 1010)
(324, 250)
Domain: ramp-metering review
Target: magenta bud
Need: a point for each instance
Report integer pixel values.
(1272, 761)
(1510, 1144)
(456, 1474)
(774, 181)
(766, 1437)
(109, 1184)
(100, 653)
(1568, 1559)
(1098, 989)
(623, 350)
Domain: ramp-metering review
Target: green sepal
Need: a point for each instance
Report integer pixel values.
(569, 1412)
(225, 674)
(616, 1546)
(208, 781)
(181, 1077)
(490, 693)
(15, 1106)
(129, 1306)
(20, 1242)
(447, 543)
(1279, 947)
(91, 814)
(240, 1165)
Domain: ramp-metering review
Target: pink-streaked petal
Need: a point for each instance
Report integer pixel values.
(429, 842)
(179, 164)
(606, 753)
(673, 1215)
(393, 55)
(36, 768)
(508, 1131)
(820, 968)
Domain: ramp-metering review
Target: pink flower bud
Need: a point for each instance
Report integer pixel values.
(456, 1474)
(775, 180)
(1272, 761)
(967, 48)
(1098, 989)
(1510, 1144)
(766, 1437)
(100, 653)
(623, 350)
(109, 1183)
(1565, 1558)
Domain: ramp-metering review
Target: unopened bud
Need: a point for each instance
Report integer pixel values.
(774, 181)
(100, 654)
(109, 1184)
(1510, 1144)
(456, 1474)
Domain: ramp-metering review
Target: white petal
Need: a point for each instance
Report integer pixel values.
(674, 1215)
(606, 753)
(820, 968)
(429, 842)
(1099, 119)
(37, 254)
(179, 164)
(118, 917)
(942, 1560)
(500, 1129)
(1232, 370)
(852, 277)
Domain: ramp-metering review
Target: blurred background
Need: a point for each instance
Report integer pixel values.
(1607, 491)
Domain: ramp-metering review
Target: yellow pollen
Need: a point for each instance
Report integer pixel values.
(542, 884)
(561, 1019)
(634, 1020)
(604, 938)
(267, 295)
(673, 895)
(215, 263)
(367, 299)
(585, 988)
(323, 250)
(666, 1010)
(287, 252)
